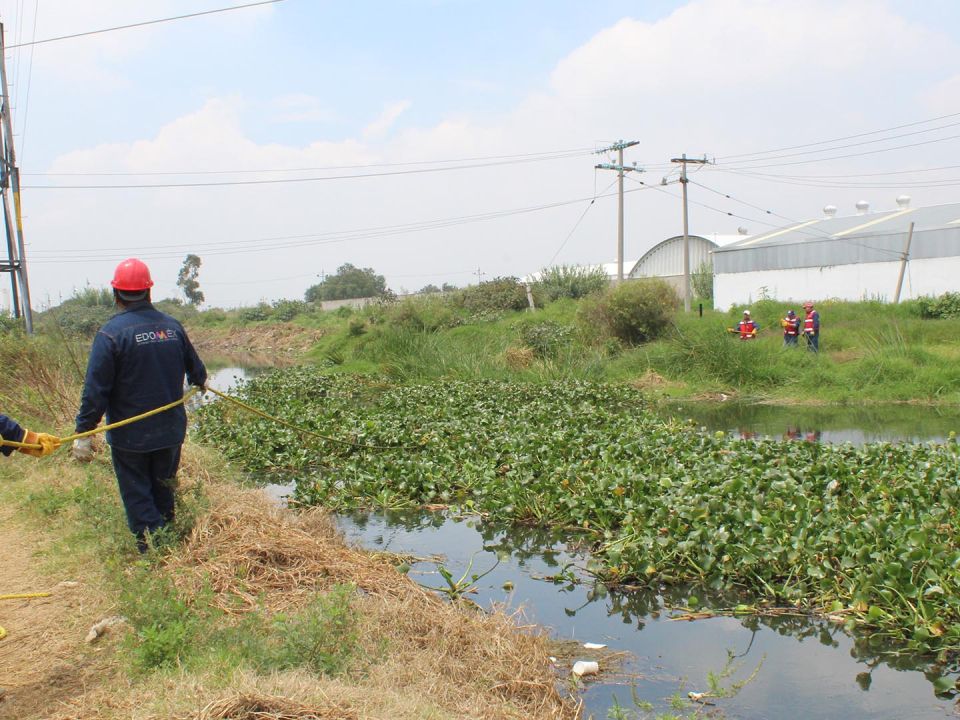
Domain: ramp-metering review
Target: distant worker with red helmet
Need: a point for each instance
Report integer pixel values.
(791, 329)
(747, 328)
(138, 362)
(811, 327)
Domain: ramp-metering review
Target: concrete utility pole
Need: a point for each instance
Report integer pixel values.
(619, 167)
(903, 265)
(683, 160)
(16, 263)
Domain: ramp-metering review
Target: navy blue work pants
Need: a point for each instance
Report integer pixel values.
(147, 482)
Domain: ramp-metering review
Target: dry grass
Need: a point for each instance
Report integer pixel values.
(253, 555)
(249, 552)
(250, 706)
(518, 358)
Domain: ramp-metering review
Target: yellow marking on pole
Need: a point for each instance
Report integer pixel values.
(16, 205)
(777, 233)
(873, 222)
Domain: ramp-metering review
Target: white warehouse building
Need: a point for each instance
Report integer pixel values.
(855, 257)
(665, 259)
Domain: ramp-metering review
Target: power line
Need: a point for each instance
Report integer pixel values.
(849, 155)
(810, 231)
(840, 139)
(142, 24)
(272, 244)
(851, 175)
(544, 155)
(275, 181)
(906, 185)
(580, 220)
(26, 102)
(856, 144)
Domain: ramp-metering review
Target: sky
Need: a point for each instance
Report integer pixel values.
(454, 140)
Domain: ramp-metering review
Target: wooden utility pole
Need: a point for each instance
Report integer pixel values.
(684, 161)
(903, 265)
(619, 167)
(16, 263)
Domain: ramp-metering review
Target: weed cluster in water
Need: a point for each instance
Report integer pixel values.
(866, 535)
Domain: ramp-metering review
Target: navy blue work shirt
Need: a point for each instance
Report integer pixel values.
(137, 363)
(9, 430)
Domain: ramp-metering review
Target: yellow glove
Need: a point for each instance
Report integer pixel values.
(48, 443)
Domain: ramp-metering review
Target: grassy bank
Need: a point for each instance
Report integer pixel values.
(863, 535)
(242, 608)
(870, 352)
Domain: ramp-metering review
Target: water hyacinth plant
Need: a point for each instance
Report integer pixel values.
(866, 536)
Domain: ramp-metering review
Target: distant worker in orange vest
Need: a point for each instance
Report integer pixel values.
(811, 327)
(747, 327)
(791, 329)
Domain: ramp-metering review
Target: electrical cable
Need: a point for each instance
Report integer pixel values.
(312, 240)
(840, 139)
(580, 219)
(810, 231)
(842, 157)
(142, 24)
(786, 180)
(26, 102)
(856, 144)
(275, 181)
(545, 155)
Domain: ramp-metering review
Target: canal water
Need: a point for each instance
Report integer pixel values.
(804, 668)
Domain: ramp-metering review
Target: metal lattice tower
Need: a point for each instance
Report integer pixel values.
(16, 263)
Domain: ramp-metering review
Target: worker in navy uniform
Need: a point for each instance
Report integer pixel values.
(138, 362)
(11, 430)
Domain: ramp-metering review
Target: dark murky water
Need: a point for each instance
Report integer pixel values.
(808, 669)
(833, 424)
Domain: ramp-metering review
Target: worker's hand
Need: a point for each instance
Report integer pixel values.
(30, 438)
(83, 449)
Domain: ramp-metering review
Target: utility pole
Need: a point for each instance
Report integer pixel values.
(479, 275)
(16, 263)
(684, 161)
(903, 265)
(619, 167)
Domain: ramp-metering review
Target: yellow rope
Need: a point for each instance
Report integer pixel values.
(25, 596)
(69, 438)
(20, 596)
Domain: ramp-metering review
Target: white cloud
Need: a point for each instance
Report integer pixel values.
(298, 108)
(716, 76)
(391, 113)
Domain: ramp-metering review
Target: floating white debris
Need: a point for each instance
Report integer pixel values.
(593, 646)
(585, 667)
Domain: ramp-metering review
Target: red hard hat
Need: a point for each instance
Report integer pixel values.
(132, 275)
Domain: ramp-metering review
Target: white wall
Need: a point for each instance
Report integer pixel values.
(845, 282)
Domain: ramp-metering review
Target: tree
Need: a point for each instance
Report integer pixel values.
(187, 280)
(428, 290)
(349, 282)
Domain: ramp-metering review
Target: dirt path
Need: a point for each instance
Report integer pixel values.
(43, 660)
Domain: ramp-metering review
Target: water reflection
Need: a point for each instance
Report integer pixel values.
(811, 668)
(832, 424)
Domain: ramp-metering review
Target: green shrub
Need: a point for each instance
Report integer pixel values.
(942, 307)
(571, 281)
(424, 313)
(322, 637)
(493, 297)
(356, 327)
(545, 338)
(287, 310)
(257, 313)
(634, 312)
(164, 624)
